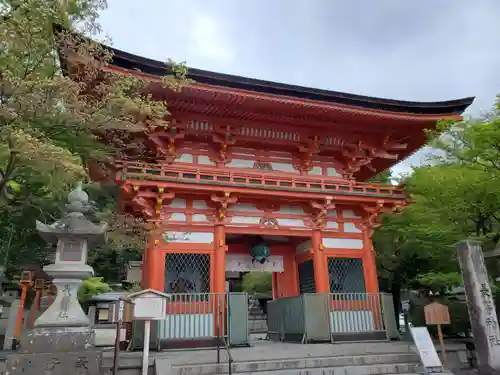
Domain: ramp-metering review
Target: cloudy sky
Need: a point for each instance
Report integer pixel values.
(423, 50)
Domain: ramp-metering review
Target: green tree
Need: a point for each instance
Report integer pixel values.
(454, 197)
(416, 241)
(58, 119)
(257, 282)
(91, 287)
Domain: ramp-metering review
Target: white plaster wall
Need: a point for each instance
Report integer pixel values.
(332, 225)
(343, 243)
(244, 207)
(332, 172)
(291, 210)
(205, 160)
(240, 163)
(178, 203)
(331, 213)
(190, 237)
(350, 214)
(199, 218)
(177, 216)
(290, 222)
(185, 158)
(316, 171)
(283, 167)
(200, 205)
(351, 228)
(245, 220)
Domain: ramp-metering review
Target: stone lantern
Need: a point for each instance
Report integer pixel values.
(62, 341)
(73, 235)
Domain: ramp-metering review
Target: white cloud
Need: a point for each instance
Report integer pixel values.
(207, 40)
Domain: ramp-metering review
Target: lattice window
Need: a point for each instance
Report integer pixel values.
(187, 273)
(346, 275)
(306, 277)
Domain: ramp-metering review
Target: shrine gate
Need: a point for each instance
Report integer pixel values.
(247, 163)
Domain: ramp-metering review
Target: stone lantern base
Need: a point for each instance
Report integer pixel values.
(56, 351)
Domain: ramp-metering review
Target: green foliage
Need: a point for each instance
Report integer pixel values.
(257, 282)
(412, 243)
(456, 196)
(54, 124)
(440, 282)
(91, 287)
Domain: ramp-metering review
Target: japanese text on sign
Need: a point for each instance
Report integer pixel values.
(491, 322)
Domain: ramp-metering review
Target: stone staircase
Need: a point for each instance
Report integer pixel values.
(293, 359)
(257, 320)
(357, 365)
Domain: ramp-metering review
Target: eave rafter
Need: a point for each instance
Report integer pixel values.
(146, 201)
(363, 154)
(372, 212)
(165, 142)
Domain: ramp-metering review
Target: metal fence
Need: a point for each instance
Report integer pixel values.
(328, 317)
(356, 314)
(195, 316)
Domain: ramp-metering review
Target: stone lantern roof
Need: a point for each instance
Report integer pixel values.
(74, 223)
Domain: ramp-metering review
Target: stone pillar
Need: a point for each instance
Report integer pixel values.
(481, 307)
(11, 325)
(62, 341)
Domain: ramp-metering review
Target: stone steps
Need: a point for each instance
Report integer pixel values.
(390, 369)
(375, 364)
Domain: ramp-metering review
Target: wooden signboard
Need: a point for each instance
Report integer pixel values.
(437, 314)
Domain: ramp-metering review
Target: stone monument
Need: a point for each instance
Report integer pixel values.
(482, 312)
(62, 341)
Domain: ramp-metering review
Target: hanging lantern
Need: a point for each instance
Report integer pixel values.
(260, 252)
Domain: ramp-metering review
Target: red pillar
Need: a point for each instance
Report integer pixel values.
(369, 263)
(219, 284)
(20, 311)
(154, 267)
(275, 285)
(319, 262)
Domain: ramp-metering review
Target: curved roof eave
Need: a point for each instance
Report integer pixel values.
(129, 61)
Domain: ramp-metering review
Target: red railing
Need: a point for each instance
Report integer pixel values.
(260, 179)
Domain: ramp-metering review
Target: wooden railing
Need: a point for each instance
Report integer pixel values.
(254, 179)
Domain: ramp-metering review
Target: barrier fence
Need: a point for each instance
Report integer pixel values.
(356, 313)
(223, 318)
(195, 316)
(328, 317)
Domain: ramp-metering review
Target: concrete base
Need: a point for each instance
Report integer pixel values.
(75, 363)
(56, 351)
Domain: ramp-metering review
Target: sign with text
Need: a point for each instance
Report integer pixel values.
(244, 263)
(436, 314)
(426, 349)
(482, 311)
(151, 308)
